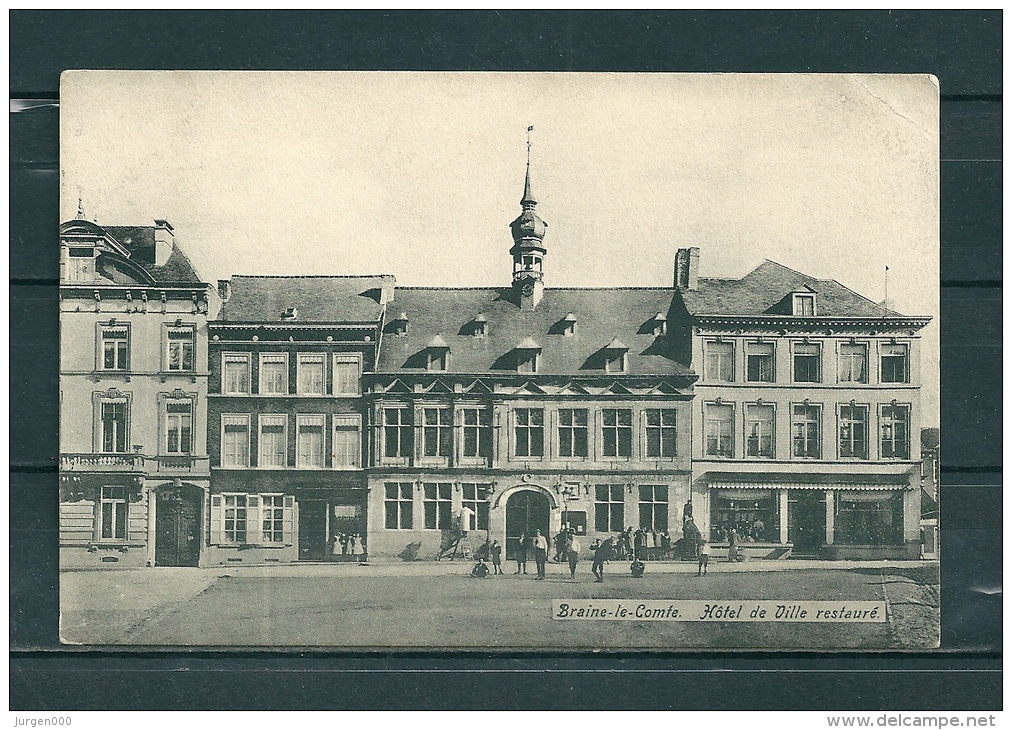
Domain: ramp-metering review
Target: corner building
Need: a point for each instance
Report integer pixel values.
(526, 408)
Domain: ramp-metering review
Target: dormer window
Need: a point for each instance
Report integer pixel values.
(615, 355)
(569, 325)
(399, 325)
(437, 354)
(80, 264)
(479, 326)
(804, 305)
(528, 355)
(660, 324)
(289, 314)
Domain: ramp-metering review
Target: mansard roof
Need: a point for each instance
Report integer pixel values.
(603, 315)
(764, 288)
(317, 298)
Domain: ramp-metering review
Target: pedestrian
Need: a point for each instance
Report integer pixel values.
(352, 539)
(522, 554)
(540, 553)
(343, 538)
(704, 557)
(639, 549)
(573, 555)
(603, 553)
(496, 552)
(480, 570)
(732, 546)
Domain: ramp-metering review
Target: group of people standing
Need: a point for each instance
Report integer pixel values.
(348, 543)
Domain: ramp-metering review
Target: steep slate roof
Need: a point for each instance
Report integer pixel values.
(318, 298)
(765, 286)
(140, 242)
(601, 314)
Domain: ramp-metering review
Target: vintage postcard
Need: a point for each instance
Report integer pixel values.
(499, 360)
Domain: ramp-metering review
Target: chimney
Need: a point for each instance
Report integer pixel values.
(224, 289)
(687, 269)
(387, 290)
(163, 242)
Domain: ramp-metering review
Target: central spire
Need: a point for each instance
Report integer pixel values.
(528, 249)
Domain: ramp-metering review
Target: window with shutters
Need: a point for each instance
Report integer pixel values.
(179, 427)
(272, 518)
(718, 424)
(113, 426)
(273, 374)
(347, 442)
(398, 432)
(807, 363)
(180, 345)
(616, 432)
(311, 378)
(477, 433)
(760, 362)
(475, 497)
(398, 505)
(894, 426)
(347, 374)
(234, 513)
(654, 507)
(115, 348)
(719, 361)
(661, 434)
(235, 440)
(895, 364)
(529, 432)
(853, 364)
(235, 373)
(759, 431)
(853, 432)
(806, 428)
(609, 507)
(309, 441)
(437, 432)
(273, 452)
(437, 503)
(573, 433)
(252, 519)
(115, 506)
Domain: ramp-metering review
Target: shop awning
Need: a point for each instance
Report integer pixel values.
(766, 489)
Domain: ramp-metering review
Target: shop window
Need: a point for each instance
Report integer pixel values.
(719, 361)
(273, 374)
(529, 432)
(113, 426)
(272, 449)
(311, 379)
(398, 505)
(895, 365)
(654, 507)
(760, 362)
(868, 518)
(235, 374)
(759, 431)
(609, 508)
(235, 440)
(853, 364)
(661, 433)
(752, 514)
(115, 506)
(719, 429)
(475, 497)
(398, 435)
(854, 432)
(437, 503)
(894, 423)
(807, 363)
(347, 442)
(180, 349)
(309, 441)
(573, 433)
(115, 348)
(477, 433)
(347, 374)
(437, 432)
(616, 436)
(178, 427)
(806, 426)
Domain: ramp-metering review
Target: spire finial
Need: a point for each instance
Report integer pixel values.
(80, 208)
(528, 199)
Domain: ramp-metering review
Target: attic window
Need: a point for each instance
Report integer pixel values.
(290, 314)
(479, 326)
(399, 325)
(437, 354)
(614, 356)
(528, 353)
(804, 305)
(660, 324)
(569, 325)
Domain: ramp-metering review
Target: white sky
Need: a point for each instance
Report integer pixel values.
(419, 174)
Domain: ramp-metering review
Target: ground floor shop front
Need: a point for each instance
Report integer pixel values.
(814, 515)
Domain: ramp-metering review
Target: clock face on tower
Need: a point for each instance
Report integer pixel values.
(528, 289)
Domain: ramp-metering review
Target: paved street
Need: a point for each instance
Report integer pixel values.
(437, 604)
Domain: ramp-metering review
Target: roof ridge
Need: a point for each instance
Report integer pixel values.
(862, 296)
(547, 289)
(309, 276)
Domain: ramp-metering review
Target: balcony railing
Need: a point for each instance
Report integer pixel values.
(136, 463)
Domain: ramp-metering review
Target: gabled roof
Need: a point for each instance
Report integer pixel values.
(759, 291)
(317, 298)
(603, 314)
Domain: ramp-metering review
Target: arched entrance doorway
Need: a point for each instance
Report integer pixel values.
(177, 525)
(526, 511)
